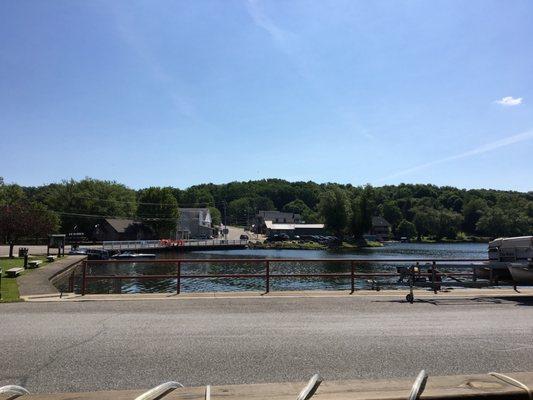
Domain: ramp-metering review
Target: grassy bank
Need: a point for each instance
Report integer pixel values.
(459, 239)
(9, 289)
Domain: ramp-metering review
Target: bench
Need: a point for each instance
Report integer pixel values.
(14, 272)
(34, 264)
(50, 258)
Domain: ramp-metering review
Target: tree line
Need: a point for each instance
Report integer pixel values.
(413, 210)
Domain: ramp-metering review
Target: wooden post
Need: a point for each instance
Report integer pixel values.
(267, 277)
(434, 277)
(118, 285)
(474, 274)
(83, 276)
(352, 277)
(178, 279)
(71, 283)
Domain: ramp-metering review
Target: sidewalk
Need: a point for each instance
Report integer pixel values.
(40, 281)
(399, 294)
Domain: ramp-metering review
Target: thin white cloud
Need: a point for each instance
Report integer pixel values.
(126, 26)
(509, 101)
(521, 137)
(286, 41)
(281, 36)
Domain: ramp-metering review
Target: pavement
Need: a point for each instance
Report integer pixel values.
(39, 250)
(105, 345)
(39, 281)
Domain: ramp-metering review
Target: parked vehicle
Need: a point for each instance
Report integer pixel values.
(281, 237)
(244, 237)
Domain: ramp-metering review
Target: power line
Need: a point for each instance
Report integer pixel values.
(113, 216)
(202, 204)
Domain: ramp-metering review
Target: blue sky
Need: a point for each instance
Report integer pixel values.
(185, 92)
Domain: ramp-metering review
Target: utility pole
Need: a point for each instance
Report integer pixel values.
(225, 221)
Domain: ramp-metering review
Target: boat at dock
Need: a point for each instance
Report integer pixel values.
(132, 256)
(512, 259)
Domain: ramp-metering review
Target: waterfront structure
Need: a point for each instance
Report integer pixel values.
(194, 223)
(293, 230)
(381, 228)
(276, 217)
(123, 229)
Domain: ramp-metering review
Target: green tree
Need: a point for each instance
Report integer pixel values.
(472, 212)
(392, 213)
(406, 229)
(449, 224)
(158, 208)
(24, 219)
(334, 208)
(216, 216)
(498, 222)
(427, 221)
(296, 206)
(83, 204)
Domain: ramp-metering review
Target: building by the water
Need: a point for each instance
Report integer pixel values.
(194, 223)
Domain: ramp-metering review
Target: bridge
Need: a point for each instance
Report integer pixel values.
(167, 244)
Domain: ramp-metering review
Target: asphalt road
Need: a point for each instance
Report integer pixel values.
(49, 347)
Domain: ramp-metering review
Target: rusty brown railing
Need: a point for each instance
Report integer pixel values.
(353, 275)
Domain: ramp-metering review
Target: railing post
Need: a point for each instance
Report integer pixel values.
(434, 276)
(178, 278)
(267, 277)
(71, 283)
(83, 277)
(474, 274)
(117, 285)
(352, 277)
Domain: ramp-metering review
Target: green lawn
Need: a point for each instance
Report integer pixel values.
(9, 289)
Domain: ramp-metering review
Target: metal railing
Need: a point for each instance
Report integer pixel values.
(437, 270)
(161, 244)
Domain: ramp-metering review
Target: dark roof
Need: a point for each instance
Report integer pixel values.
(380, 221)
(269, 215)
(121, 224)
(194, 209)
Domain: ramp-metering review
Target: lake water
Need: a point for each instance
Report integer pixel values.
(392, 250)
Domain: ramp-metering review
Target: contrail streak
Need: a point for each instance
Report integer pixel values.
(521, 137)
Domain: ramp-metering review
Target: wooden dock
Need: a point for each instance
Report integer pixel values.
(470, 387)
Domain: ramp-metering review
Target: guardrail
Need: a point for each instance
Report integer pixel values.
(162, 244)
(413, 272)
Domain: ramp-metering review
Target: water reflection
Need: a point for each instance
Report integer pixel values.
(395, 250)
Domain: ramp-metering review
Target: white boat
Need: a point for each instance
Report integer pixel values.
(132, 256)
(522, 273)
(517, 254)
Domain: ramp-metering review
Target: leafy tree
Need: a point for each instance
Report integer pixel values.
(498, 222)
(392, 213)
(472, 212)
(362, 209)
(23, 219)
(296, 206)
(242, 211)
(83, 204)
(449, 224)
(334, 208)
(158, 208)
(427, 221)
(406, 229)
(216, 216)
